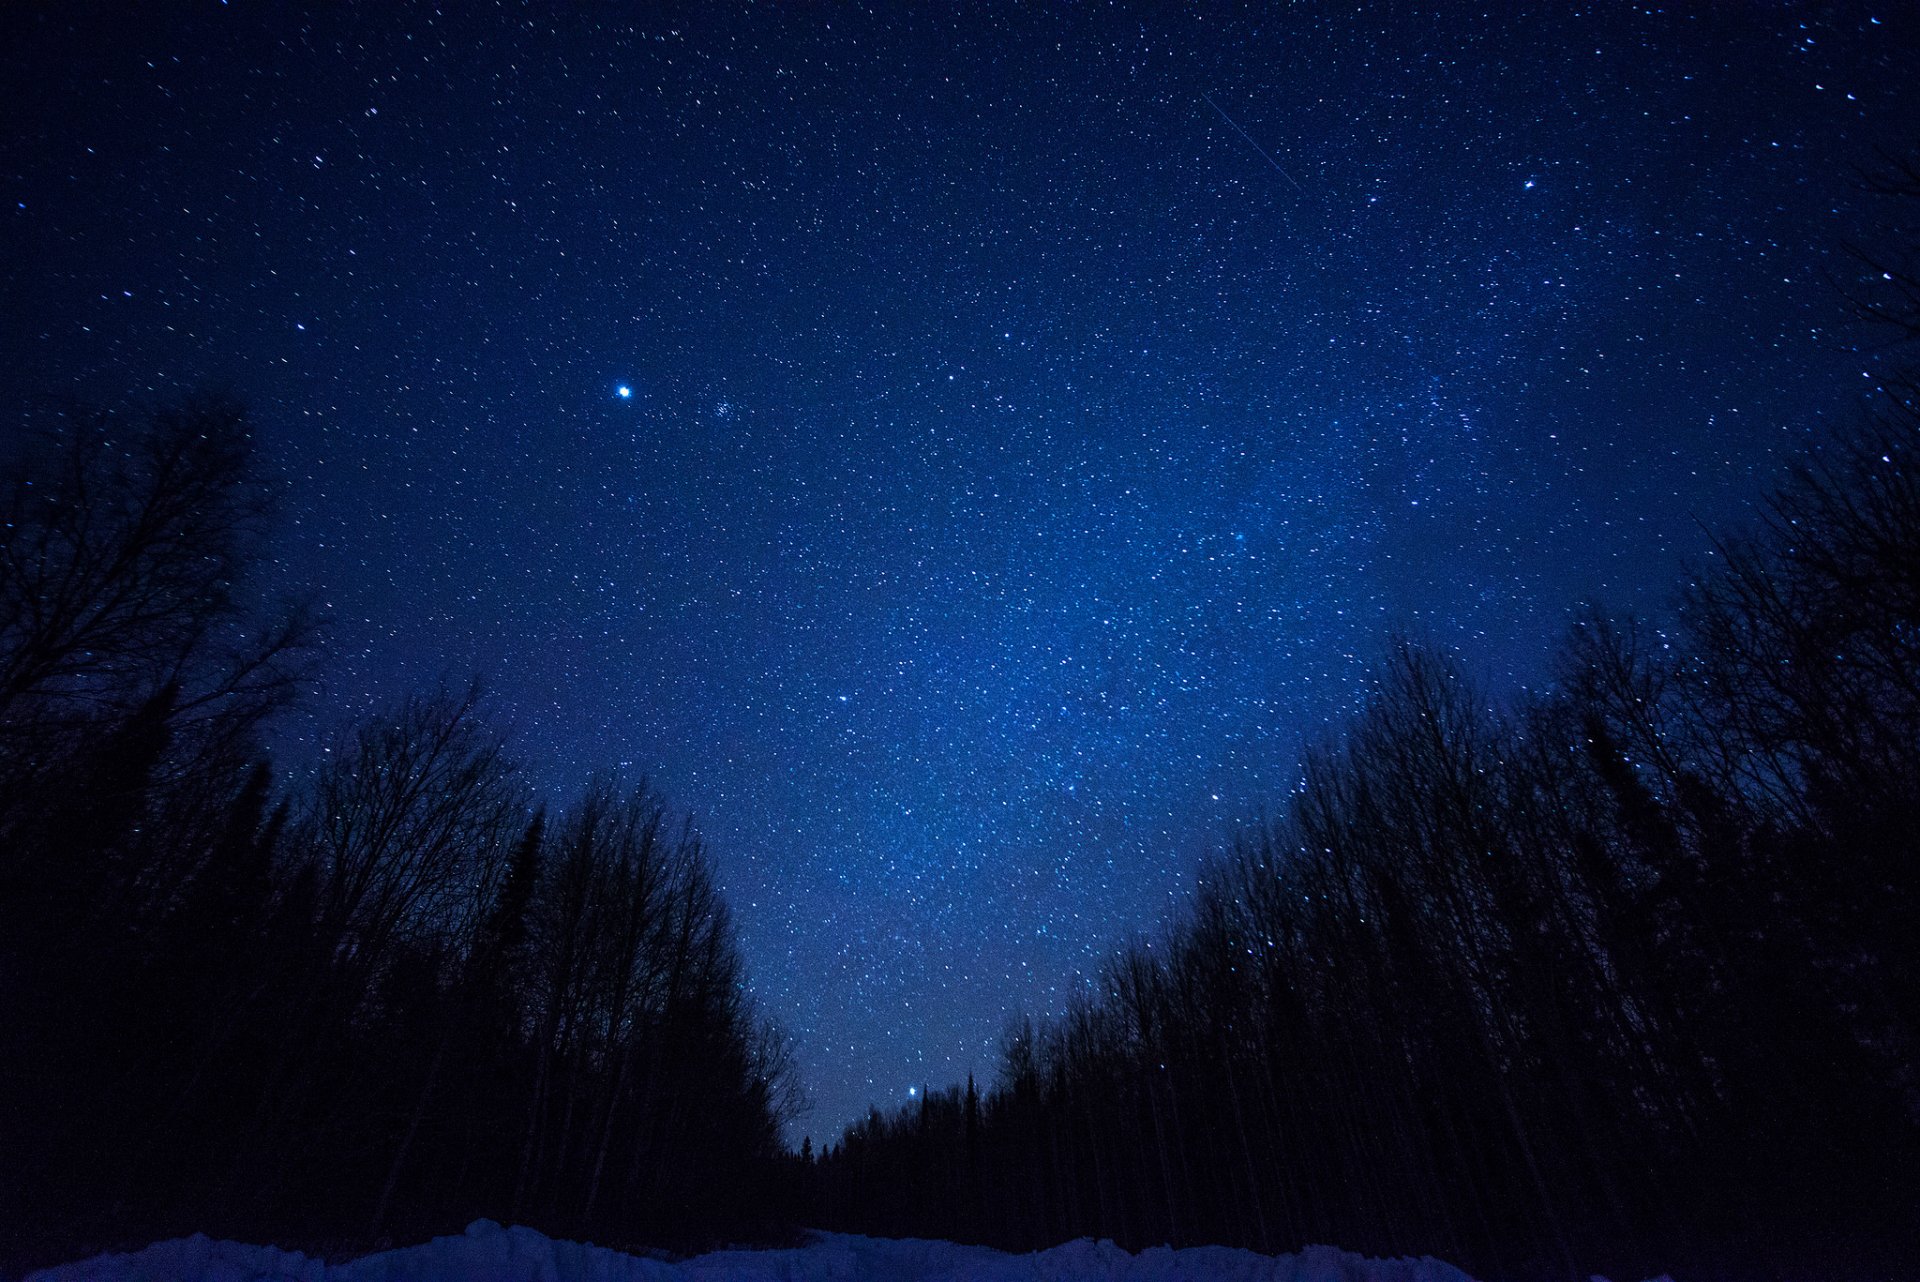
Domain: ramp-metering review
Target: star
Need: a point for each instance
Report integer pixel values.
(624, 392)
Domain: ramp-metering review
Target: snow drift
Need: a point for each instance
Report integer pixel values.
(489, 1253)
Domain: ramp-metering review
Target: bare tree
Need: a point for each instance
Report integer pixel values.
(122, 554)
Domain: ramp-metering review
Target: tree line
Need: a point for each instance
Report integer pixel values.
(1622, 975)
(369, 1002)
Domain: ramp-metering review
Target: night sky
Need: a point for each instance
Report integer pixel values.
(960, 454)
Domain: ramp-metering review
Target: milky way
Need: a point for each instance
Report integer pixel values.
(961, 455)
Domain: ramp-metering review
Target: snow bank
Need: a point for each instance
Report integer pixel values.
(489, 1253)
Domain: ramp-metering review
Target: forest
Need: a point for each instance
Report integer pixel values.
(1621, 974)
(353, 1005)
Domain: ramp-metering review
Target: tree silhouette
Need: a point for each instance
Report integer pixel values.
(332, 1010)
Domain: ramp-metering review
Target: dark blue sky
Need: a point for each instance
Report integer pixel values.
(1038, 418)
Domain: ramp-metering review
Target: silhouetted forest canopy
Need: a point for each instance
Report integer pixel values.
(1620, 975)
(370, 1002)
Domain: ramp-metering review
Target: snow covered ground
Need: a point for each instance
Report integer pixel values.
(489, 1253)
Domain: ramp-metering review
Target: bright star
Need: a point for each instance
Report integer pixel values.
(624, 392)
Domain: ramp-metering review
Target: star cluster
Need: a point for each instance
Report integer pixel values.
(961, 453)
